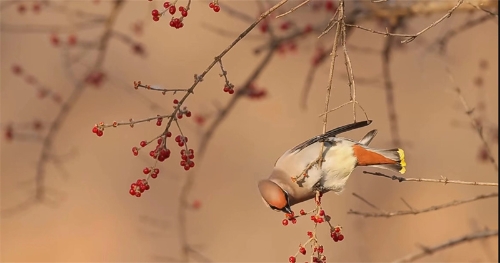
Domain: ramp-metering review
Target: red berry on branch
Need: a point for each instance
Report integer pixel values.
(341, 237)
(284, 222)
(143, 143)
(292, 259)
(172, 9)
(216, 8)
(302, 250)
(165, 5)
(156, 18)
(176, 101)
(146, 170)
(155, 12)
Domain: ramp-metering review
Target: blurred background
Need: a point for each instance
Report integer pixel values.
(86, 213)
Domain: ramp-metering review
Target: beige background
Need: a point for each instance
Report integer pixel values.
(96, 220)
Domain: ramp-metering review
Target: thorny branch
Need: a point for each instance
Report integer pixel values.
(416, 211)
(426, 251)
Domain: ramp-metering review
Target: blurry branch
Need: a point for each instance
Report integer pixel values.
(389, 85)
(48, 28)
(412, 211)
(475, 124)
(65, 109)
(443, 180)
(426, 251)
(442, 41)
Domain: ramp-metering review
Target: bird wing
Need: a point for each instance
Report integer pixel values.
(329, 134)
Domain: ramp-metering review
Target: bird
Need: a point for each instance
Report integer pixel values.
(340, 157)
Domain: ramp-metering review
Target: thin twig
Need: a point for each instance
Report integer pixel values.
(443, 180)
(419, 211)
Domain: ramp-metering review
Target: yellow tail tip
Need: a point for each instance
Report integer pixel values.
(402, 161)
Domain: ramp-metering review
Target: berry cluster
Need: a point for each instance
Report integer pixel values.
(215, 6)
(187, 157)
(161, 152)
(181, 140)
(289, 217)
(182, 112)
(98, 131)
(229, 89)
(336, 235)
(42, 91)
(71, 40)
(318, 216)
(137, 188)
(171, 9)
(21, 8)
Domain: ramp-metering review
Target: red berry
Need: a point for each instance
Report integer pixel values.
(94, 130)
(153, 175)
(99, 133)
(188, 114)
(156, 18)
(216, 8)
(309, 234)
(135, 151)
(211, 5)
(321, 212)
(166, 4)
(172, 10)
(181, 8)
(158, 123)
(294, 220)
(155, 12)
(146, 170)
(156, 171)
(292, 259)
(72, 40)
(302, 250)
(341, 237)
(138, 194)
(337, 229)
(132, 192)
(143, 143)
(284, 222)
(184, 13)
(175, 100)
(231, 91)
(169, 134)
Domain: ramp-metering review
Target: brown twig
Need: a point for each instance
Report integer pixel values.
(443, 180)
(411, 37)
(426, 251)
(416, 211)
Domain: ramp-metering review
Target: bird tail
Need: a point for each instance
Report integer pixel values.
(390, 159)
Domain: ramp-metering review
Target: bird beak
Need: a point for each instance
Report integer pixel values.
(287, 209)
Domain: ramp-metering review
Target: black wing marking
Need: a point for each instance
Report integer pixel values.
(331, 133)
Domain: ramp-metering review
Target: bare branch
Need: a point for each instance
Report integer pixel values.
(419, 211)
(444, 180)
(426, 251)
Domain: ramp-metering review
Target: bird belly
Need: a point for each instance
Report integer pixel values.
(337, 167)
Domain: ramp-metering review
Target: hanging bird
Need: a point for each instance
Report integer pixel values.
(340, 157)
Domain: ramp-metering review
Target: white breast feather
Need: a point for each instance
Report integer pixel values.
(338, 166)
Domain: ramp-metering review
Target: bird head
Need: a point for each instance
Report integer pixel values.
(274, 196)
